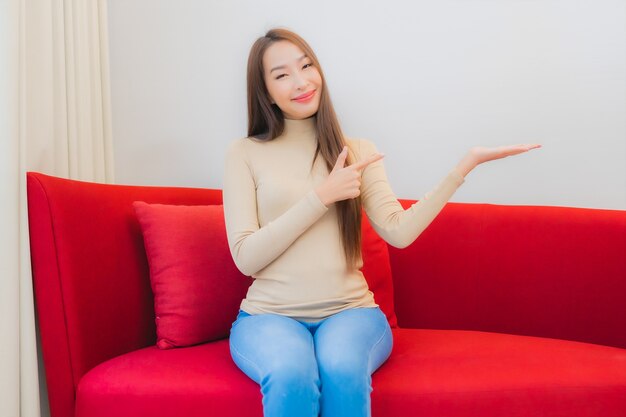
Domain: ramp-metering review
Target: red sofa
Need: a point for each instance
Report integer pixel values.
(502, 311)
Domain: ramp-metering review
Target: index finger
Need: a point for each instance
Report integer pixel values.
(373, 158)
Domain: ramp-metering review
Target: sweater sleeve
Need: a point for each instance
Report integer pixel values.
(397, 226)
(253, 247)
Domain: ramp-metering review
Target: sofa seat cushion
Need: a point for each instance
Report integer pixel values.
(461, 373)
(430, 373)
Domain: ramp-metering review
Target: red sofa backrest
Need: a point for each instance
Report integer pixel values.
(543, 271)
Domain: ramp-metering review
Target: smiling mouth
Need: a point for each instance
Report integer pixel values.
(305, 95)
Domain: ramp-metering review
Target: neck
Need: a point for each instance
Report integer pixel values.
(303, 128)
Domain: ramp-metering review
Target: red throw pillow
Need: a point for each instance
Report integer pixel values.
(377, 269)
(196, 284)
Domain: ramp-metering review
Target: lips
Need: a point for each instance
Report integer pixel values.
(305, 95)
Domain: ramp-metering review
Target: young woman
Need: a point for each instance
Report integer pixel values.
(309, 331)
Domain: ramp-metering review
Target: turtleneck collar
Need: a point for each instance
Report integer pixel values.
(300, 128)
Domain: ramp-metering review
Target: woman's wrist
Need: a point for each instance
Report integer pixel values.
(322, 196)
(466, 164)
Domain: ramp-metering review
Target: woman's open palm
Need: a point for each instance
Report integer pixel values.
(479, 154)
(483, 154)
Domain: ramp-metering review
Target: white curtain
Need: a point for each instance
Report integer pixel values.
(55, 118)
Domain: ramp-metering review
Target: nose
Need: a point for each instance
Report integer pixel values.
(300, 81)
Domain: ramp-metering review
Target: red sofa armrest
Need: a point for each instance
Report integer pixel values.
(532, 270)
(90, 274)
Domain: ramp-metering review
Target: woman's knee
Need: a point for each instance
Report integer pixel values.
(294, 374)
(353, 348)
(291, 390)
(343, 368)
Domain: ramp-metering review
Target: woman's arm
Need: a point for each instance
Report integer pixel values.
(366, 177)
(253, 247)
(397, 226)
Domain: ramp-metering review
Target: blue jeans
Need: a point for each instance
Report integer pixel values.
(307, 368)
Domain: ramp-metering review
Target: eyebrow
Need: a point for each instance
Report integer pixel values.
(283, 66)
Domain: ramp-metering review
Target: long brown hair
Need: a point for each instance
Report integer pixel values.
(266, 122)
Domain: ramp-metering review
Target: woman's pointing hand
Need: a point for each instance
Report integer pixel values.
(344, 182)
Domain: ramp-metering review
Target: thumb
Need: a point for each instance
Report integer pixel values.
(341, 159)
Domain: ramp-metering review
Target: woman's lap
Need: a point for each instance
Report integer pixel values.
(337, 354)
(357, 338)
(354, 335)
(262, 343)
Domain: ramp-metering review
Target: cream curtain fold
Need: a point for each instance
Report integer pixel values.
(55, 118)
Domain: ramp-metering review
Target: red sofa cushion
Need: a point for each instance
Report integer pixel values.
(431, 373)
(197, 287)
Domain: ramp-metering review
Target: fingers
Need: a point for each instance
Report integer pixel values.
(373, 158)
(524, 147)
(527, 145)
(341, 159)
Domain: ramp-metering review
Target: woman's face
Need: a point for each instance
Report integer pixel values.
(289, 75)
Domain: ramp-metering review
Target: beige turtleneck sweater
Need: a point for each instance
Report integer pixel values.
(281, 234)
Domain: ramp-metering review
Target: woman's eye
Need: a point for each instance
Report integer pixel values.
(282, 75)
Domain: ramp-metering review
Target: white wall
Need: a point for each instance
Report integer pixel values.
(425, 80)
